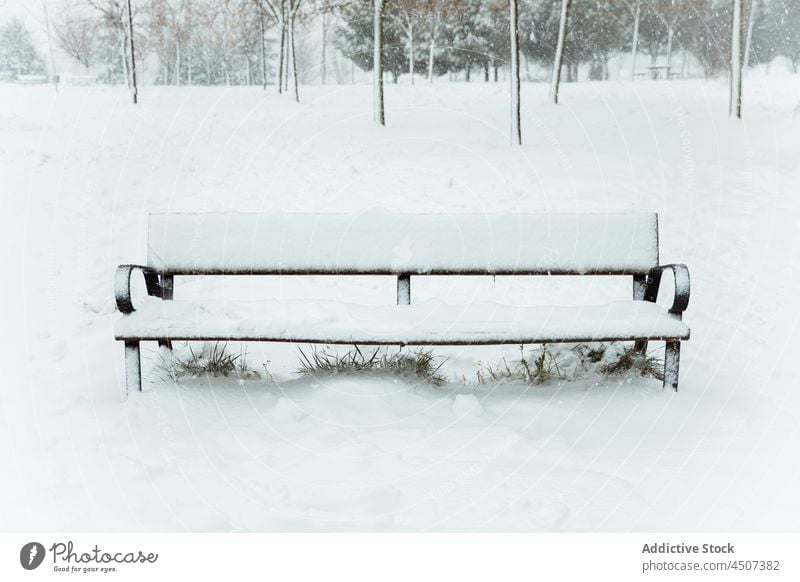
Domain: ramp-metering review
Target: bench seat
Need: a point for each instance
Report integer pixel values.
(423, 323)
(381, 243)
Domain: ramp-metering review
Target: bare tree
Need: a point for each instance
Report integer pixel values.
(559, 59)
(113, 15)
(637, 13)
(379, 113)
(671, 17)
(736, 59)
(404, 14)
(134, 88)
(76, 37)
(751, 19)
(263, 29)
(433, 35)
(50, 44)
(516, 129)
(285, 13)
(293, 50)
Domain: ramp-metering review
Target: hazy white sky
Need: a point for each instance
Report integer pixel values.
(30, 10)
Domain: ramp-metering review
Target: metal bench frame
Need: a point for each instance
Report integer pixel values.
(646, 287)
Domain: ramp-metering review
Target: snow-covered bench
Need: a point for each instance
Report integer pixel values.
(401, 245)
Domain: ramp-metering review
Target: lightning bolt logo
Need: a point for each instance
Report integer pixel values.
(31, 555)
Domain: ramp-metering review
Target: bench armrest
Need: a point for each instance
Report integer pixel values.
(122, 285)
(680, 275)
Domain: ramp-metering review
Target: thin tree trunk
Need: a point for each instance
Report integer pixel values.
(410, 21)
(263, 52)
(635, 42)
(432, 47)
(281, 57)
(516, 129)
(225, 54)
(294, 59)
(378, 112)
(124, 52)
(562, 35)
(671, 22)
(431, 51)
(287, 59)
(324, 47)
(134, 88)
(684, 63)
(736, 59)
(50, 46)
(177, 62)
(748, 41)
(670, 36)
(189, 62)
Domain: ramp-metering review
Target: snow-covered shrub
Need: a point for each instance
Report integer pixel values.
(565, 362)
(420, 363)
(541, 365)
(210, 360)
(622, 360)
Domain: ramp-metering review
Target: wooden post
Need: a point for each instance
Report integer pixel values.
(404, 289)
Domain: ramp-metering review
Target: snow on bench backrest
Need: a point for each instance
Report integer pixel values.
(381, 242)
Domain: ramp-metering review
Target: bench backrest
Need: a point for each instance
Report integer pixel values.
(380, 242)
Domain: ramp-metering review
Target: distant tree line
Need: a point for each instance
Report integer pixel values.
(471, 37)
(229, 42)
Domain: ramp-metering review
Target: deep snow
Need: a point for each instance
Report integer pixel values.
(80, 170)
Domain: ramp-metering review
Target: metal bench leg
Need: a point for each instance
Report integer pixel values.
(672, 359)
(167, 293)
(133, 367)
(639, 287)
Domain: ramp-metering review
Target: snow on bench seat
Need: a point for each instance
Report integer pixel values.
(382, 242)
(425, 323)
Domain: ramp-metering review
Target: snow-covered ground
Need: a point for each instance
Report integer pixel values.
(79, 171)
